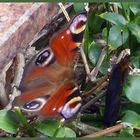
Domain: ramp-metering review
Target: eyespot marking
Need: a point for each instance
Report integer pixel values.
(69, 110)
(78, 24)
(45, 58)
(35, 105)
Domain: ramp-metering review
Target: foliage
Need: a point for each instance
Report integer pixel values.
(120, 29)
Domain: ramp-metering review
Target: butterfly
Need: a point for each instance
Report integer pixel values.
(47, 87)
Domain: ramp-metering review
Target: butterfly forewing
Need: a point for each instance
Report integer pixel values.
(69, 40)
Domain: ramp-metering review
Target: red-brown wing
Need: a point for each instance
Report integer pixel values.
(47, 77)
(64, 103)
(65, 44)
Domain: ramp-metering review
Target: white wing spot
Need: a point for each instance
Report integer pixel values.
(68, 32)
(62, 37)
(54, 109)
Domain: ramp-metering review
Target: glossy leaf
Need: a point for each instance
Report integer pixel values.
(9, 121)
(65, 132)
(132, 89)
(131, 106)
(135, 60)
(96, 24)
(104, 66)
(47, 127)
(114, 18)
(135, 30)
(126, 133)
(60, 133)
(137, 20)
(87, 40)
(131, 117)
(135, 7)
(94, 52)
(79, 6)
(126, 10)
(69, 133)
(117, 36)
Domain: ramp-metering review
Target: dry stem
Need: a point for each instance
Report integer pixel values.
(103, 132)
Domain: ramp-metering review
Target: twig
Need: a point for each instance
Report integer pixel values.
(95, 71)
(64, 11)
(123, 54)
(115, 128)
(95, 99)
(85, 61)
(87, 129)
(100, 85)
(134, 71)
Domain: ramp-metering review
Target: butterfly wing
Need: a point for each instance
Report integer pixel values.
(65, 103)
(47, 83)
(66, 43)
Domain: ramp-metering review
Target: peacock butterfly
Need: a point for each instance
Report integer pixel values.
(47, 87)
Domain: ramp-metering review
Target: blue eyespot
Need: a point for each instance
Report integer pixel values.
(36, 104)
(45, 58)
(32, 105)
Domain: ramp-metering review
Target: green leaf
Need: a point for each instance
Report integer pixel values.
(60, 133)
(135, 60)
(135, 7)
(9, 121)
(114, 18)
(87, 40)
(104, 34)
(126, 133)
(132, 118)
(126, 10)
(117, 36)
(69, 133)
(132, 88)
(94, 52)
(135, 30)
(47, 127)
(104, 66)
(137, 20)
(79, 6)
(95, 23)
(131, 106)
(65, 132)
(117, 4)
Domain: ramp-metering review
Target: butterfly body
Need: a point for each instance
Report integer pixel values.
(48, 86)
